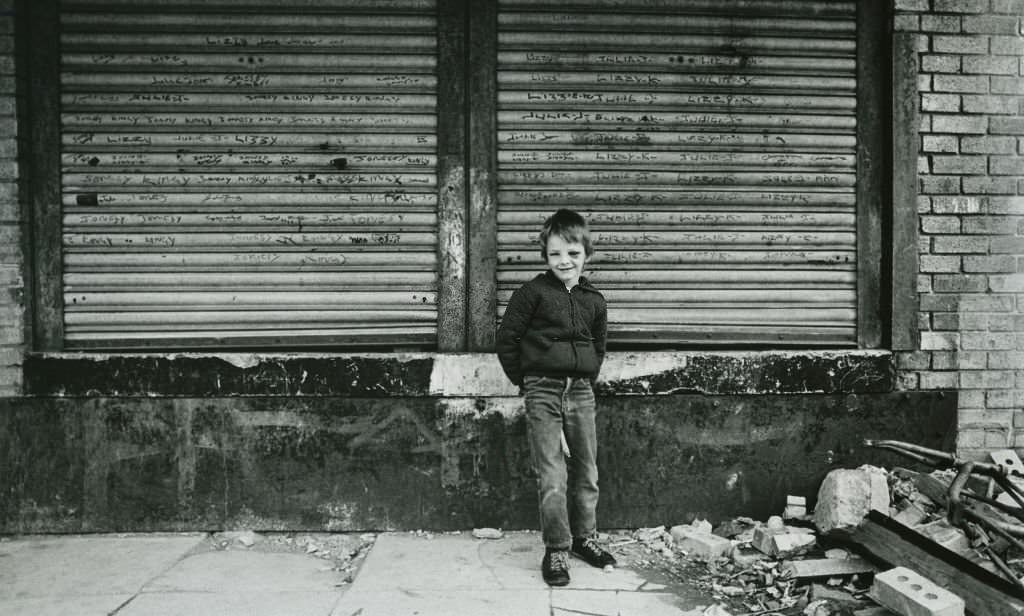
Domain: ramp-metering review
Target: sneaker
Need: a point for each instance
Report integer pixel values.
(555, 567)
(590, 551)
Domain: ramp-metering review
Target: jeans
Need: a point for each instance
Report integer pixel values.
(566, 487)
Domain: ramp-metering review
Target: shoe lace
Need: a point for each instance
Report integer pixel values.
(559, 560)
(592, 546)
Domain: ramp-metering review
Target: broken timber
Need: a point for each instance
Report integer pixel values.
(984, 593)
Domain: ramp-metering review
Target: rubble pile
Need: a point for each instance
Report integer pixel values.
(824, 563)
(340, 552)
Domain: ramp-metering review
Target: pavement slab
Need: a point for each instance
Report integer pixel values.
(233, 602)
(83, 574)
(240, 571)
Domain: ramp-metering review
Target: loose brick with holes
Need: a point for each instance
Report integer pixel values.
(910, 594)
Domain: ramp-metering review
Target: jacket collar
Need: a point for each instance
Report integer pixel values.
(552, 279)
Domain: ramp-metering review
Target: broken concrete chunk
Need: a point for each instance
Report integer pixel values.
(847, 495)
(908, 593)
(796, 507)
(946, 535)
(487, 533)
(698, 544)
(784, 541)
(826, 567)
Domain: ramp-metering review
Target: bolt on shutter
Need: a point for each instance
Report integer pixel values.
(249, 173)
(712, 147)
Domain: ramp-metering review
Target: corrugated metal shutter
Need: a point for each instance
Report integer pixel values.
(712, 147)
(249, 173)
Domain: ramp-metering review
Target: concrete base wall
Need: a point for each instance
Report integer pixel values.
(430, 443)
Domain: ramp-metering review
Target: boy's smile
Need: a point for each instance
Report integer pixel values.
(566, 260)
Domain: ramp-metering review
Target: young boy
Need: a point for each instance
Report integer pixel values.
(551, 344)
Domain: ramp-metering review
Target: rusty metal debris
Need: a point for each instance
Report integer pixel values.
(986, 528)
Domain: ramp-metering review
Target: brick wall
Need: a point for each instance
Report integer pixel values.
(12, 337)
(971, 209)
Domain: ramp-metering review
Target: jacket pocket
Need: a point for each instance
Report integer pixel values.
(587, 357)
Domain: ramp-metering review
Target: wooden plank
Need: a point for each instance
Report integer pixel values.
(42, 176)
(482, 240)
(904, 331)
(873, 160)
(452, 232)
(896, 545)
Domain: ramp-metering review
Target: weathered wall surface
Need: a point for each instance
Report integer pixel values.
(317, 443)
(971, 207)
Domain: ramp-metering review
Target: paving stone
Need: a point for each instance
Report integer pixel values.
(247, 571)
(458, 562)
(95, 605)
(250, 603)
(444, 603)
(76, 566)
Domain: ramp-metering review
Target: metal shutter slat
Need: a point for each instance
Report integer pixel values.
(243, 173)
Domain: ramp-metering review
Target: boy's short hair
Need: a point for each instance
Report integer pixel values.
(568, 225)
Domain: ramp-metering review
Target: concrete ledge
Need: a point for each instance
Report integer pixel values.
(352, 464)
(447, 375)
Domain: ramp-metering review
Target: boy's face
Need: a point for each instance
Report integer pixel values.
(566, 259)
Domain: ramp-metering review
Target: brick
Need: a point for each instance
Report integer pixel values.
(939, 225)
(988, 144)
(946, 360)
(985, 341)
(941, 23)
(911, 5)
(915, 360)
(924, 84)
(993, 225)
(924, 204)
(974, 321)
(938, 380)
(957, 283)
(933, 302)
(906, 23)
(940, 264)
(991, 24)
(1006, 244)
(908, 381)
(960, 44)
(1006, 283)
(945, 321)
(940, 184)
(1004, 126)
(990, 65)
(948, 165)
(971, 398)
(957, 205)
(1006, 45)
(924, 283)
(940, 63)
(985, 303)
(970, 439)
(936, 341)
(945, 143)
(1000, 399)
(995, 264)
(960, 6)
(941, 103)
(699, 544)
(959, 244)
(1007, 165)
(1008, 360)
(991, 104)
(1008, 7)
(959, 83)
(961, 124)
(990, 185)
(923, 166)
(1006, 85)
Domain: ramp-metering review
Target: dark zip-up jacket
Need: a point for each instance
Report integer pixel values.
(548, 330)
